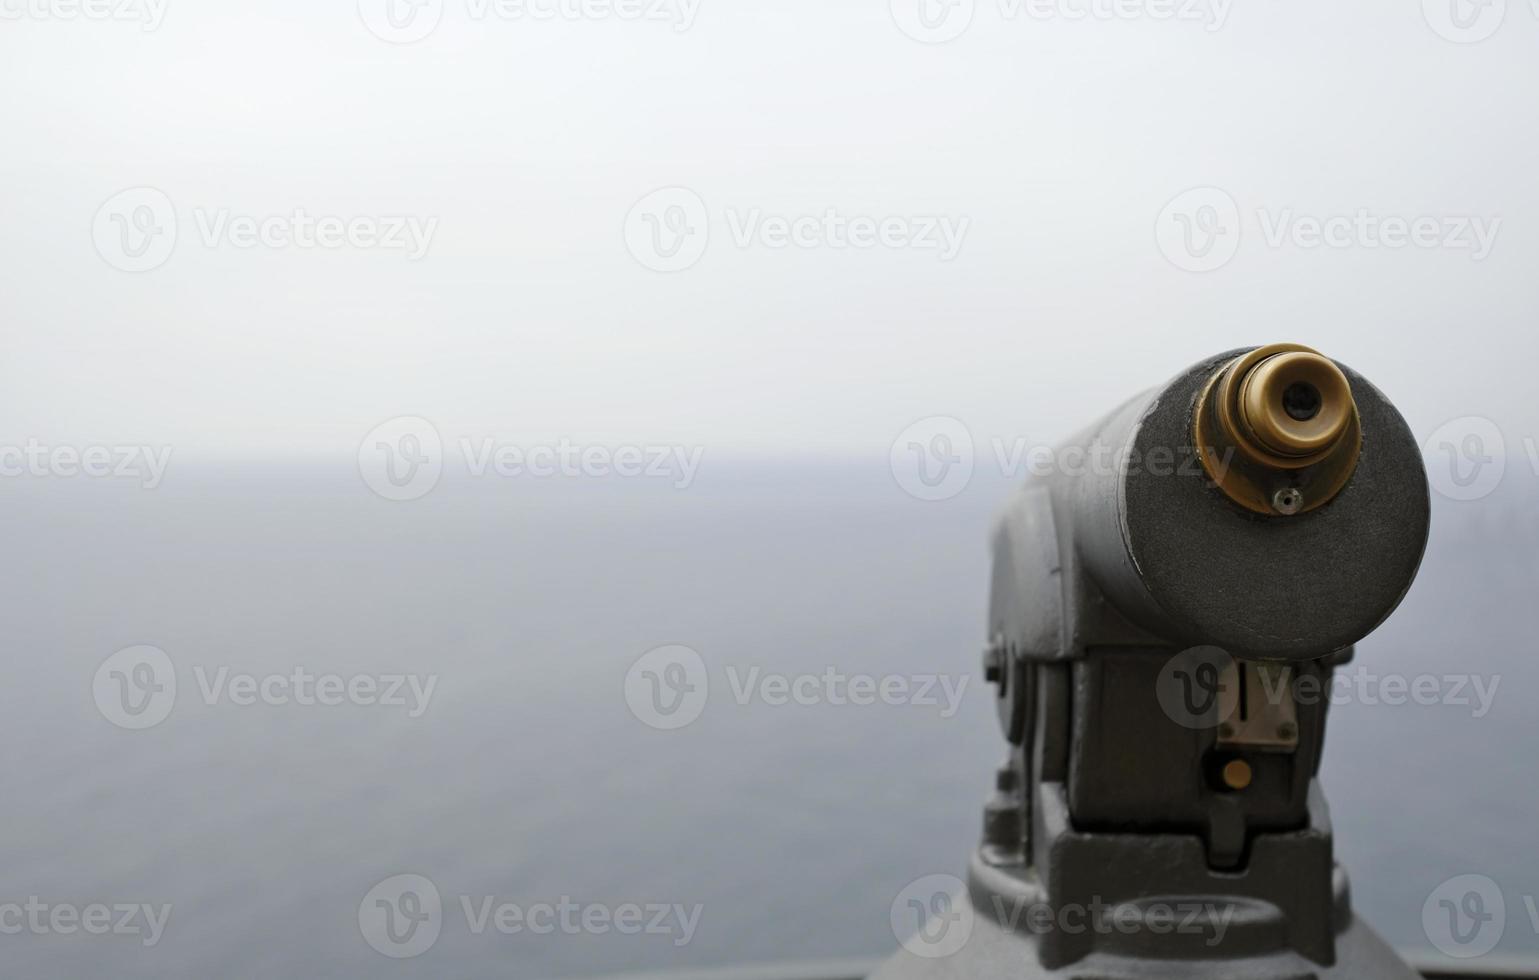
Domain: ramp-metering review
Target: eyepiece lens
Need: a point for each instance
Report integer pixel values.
(1301, 401)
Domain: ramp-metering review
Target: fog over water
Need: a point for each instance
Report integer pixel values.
(526, 778)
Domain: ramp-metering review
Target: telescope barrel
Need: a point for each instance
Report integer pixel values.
(1271, 502)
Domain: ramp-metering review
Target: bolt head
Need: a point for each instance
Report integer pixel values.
(1288, 501)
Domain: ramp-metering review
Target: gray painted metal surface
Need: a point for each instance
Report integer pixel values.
(1427, 964)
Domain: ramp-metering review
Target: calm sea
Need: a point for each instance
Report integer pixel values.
(528, 780)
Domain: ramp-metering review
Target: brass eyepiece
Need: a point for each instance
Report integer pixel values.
(1278, 429)
(1294, 406)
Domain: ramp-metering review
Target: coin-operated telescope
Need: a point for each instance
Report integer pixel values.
(1170, 597)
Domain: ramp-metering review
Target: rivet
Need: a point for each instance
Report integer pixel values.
(1237, 774)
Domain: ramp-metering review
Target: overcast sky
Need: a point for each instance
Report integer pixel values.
(1000, 230)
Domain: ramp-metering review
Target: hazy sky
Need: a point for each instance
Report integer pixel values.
(1025, 272)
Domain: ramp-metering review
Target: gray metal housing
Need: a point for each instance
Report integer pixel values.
(1105, 569)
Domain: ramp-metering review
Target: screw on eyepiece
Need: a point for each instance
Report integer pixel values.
(1288, 501)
